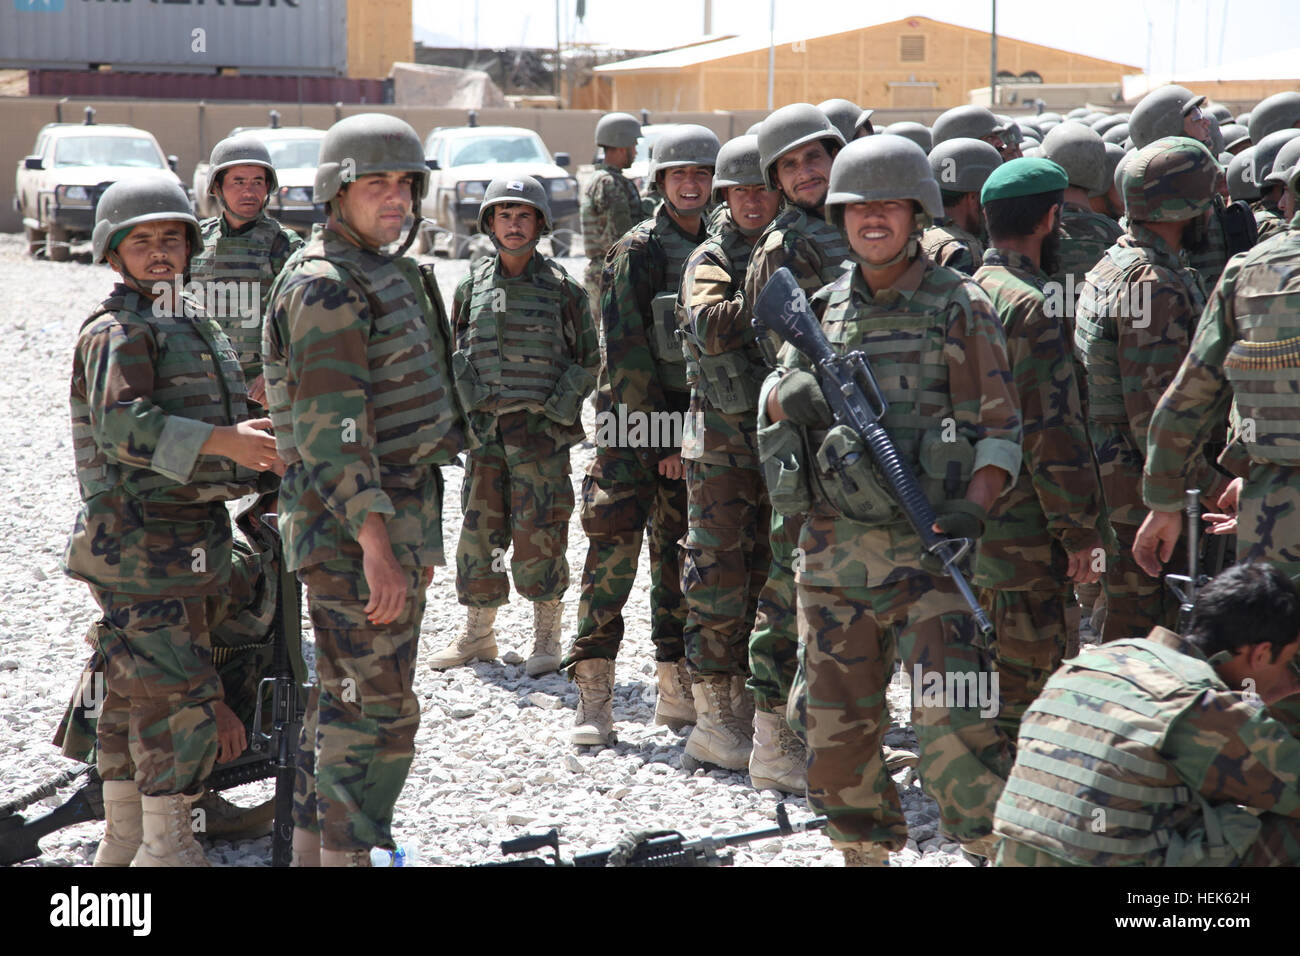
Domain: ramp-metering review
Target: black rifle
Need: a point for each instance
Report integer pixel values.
(268, 754)
(1185, 586)
(653, 847)
(856, 401)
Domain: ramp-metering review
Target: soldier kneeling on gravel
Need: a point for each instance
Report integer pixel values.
(526, 358)
(158, 409)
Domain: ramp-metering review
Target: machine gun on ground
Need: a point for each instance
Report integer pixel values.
(654, 847)
(856, 401)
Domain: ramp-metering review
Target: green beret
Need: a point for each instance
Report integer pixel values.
(1027, 176)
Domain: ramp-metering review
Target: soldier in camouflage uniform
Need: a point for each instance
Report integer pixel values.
(960, 167)
(635, 478)
(358, 377)
(1265, 153)
(866, 590)
(1135, 319)
(1042, 535)
(243, 245)
(796, 147)
(1244, 354)
(610, 204)
(526, 356)
(161, 441)
(976, 122)
(848, 117)
(1168, 751)
(725, 551)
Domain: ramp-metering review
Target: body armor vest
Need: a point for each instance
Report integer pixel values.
(244, 258)
(1109, 745)
(674, 248)
(196, 375)
(415, 418)
(514, 344)
(942, 243)
(1100, 308)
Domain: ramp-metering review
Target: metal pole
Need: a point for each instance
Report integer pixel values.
(771, 55)
(557, 53)
(708, 17)
(993, 59)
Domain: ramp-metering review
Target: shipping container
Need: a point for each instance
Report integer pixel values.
(195, 86)
(308, 37)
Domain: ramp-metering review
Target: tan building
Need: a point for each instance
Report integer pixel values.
(379, 35)
(914, 63)
(1242, 83)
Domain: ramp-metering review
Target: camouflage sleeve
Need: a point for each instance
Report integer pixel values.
(788, 359)
(1231, 750)
(984, 402)
(626, 315)
(579, 329)
(957, 255)
(1198, 398)
(117, 360)
(1057, 455)
(717, 310)
(286, 243)
(607, 213)
(459, 312)
(328, 384)
(774, 251)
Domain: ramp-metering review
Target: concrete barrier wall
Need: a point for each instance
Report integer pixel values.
(189, 130)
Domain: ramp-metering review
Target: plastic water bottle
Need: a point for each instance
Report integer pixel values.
(399, 857)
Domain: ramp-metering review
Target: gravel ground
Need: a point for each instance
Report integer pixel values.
(492, 755)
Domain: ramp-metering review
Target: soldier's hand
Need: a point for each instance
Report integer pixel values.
(671, 467)
(1080, 569)
(230, 733)
(1230, 498)
(250, 444)
(1156, 539)
(800, 397)
(384, 576)
(428, 576)
(1221, 523)
(257, 390)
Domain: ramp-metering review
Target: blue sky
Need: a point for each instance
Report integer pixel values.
(1110, 29)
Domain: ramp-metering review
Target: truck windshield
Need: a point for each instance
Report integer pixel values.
(107, 151)
(294, 153)
(498, 149)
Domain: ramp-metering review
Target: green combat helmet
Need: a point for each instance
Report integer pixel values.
(523, 190)
(240, 151)
(364, 144)
(738, 165)
(1241, 177)
(1114, 156)
(916, 132)
(684, 145)
(1109, 122)
(1011, 132)
(1160, 113)
(1279, 111)
(884, 167)
(129, 202)
(1265, 152)
(789, 128)
(753, 129)
(1234, 134)
(1283, 162)
(620, 130)
(969, 122)
(1078, 113)
(1116, 134)
(1219, 112)
(1169, 180)
(847, 117)
(1080, 151)
(962, 165)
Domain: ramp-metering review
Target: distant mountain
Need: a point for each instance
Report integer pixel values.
(430, 38)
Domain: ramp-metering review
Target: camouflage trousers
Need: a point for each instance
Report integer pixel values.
(591, 283)
(619, 502)
(358, 737)
(725, 557)
(1031, 637)
(1268, 519)
(156, 722)
(510, 497)
(848, 638)
(774, 642)
(1135, 601)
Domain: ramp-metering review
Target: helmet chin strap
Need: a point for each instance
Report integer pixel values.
(137, 284)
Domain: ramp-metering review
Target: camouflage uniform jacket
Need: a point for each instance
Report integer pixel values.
(950, 245)
(629, 383)
(1255, 307)
(146, 394)
(1146, 736)
(1268, 219)
(1136, 315)
(712, 303)
(803, 242)
(358, 380)
(1055, 505)
(1210, 260)
(260, 250)
(610, 207)
(579, 348)
(1085, 237)
(838, 552)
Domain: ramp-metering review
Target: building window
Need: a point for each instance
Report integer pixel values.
(1031, 76)
(911, 49)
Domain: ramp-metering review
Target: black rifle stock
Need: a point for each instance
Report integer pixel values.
(856, 401)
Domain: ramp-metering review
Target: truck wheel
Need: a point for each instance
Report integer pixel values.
(56, 244)
(35, 241)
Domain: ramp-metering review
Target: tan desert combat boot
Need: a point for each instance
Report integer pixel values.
(545, 658)
(479, 641)
(675, 707)
(719, 737)
(593, 726)
(344, 857)
(123, 824)
(779, 760)
(225, 821)
(306, 848)
(863, 854)
(168, 834)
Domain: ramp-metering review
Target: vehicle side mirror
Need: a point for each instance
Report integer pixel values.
(432, 164)
(173, 163)
(562, 160)
(33, 162)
